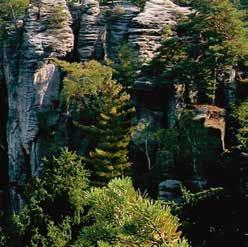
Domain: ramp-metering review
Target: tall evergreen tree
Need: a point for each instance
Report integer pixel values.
(208, 47)
(90, 91)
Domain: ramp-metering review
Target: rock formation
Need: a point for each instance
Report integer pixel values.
(46, 31)
(214, 117)
(145, 30)
(91, 31)
(33, 83)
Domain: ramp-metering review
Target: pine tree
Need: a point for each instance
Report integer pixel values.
(90, 91)
(126, 71)
(122, 217)
(208, 45)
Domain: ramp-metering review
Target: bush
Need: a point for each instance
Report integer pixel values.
(122, 217)
(241, 114)
(118, 11)
(10, 11)
(58, 18)
(2, 238)
(126, 71)
(54, 202)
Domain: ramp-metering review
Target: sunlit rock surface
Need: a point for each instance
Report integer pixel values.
(33, 83)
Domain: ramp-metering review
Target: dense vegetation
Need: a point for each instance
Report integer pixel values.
(61, 210)
(101, 167)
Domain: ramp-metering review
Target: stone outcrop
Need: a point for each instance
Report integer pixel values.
(170, 190)
(33, 83)
(145, 30)
(104, 28)
(99, 30)
(145, 35)
(121, 16)
(92, 31)
(214, 117)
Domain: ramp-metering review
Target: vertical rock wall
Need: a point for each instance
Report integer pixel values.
(118, 26)
(146, 29)
(33, 83)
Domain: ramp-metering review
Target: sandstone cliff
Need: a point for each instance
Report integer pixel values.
(86, 30)
(32, 83)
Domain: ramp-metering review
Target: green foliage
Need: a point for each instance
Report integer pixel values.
(109, 158)
(82, 88)
(243, 4)
(140, 3)
(241, 114)
(10, 11)
(209, 43)
(71, 2)
(217, 207)
(58, 17)
(122, 217)
(183, 149)
(194, 198)
(2, 237)
(125, 72)
(54, 203)
(89, 91)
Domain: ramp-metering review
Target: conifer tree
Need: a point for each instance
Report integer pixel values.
(122, 217)
(209, 44)
(90, 91)
(54, 203)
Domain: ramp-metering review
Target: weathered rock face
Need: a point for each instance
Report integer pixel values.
(145, 35)
(104, 28)
(146, 29)
(92, 31)
(33, 83)
(170, 190)
(214, 117)
(118, 26)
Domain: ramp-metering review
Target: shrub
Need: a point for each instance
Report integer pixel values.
(2, 238)
(57, 18)
(54, 202)
(126, 71)
(241, 114)
(122, 217)
(118, 11)
(10, 11)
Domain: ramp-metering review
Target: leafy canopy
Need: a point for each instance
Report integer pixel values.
(10, 11)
